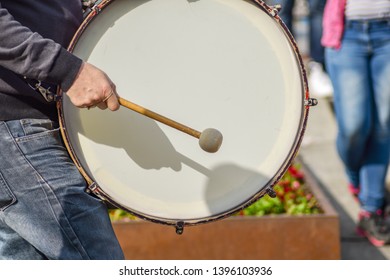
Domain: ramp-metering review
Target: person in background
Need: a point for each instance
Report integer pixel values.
(319, 83)
(45, 212)
(286, 13)
(356, 34)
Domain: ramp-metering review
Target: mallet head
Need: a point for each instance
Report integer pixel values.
(210, 140)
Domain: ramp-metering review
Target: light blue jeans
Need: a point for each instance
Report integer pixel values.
(316, 10)
(45, 212)
(360, 73)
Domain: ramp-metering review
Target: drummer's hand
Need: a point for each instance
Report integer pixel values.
(92, 87)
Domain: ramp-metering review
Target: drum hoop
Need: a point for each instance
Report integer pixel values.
(98, 191)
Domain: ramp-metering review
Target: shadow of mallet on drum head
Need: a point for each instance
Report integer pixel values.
(210, 139)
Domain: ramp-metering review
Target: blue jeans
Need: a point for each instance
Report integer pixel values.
(360, 73)
(45, 212)
(286, 13)
(316, 10)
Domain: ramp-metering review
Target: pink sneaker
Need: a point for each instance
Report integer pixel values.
(374, 227)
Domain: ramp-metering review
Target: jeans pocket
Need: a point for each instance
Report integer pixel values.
(7, 198)
(36, 128)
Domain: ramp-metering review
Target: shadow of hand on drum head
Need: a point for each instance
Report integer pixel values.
(142, 139)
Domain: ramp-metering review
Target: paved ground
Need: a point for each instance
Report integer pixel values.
(319, 155)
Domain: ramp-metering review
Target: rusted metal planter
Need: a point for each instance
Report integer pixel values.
(274, 237)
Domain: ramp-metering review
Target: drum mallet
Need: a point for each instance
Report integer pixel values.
(210, 139)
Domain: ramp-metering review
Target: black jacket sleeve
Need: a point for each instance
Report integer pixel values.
(29, 54)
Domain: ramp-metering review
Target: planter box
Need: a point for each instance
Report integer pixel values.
(276, 237)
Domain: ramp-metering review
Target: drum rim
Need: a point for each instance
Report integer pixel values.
(94, 188)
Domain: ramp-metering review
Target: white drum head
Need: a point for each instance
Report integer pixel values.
(225, 64)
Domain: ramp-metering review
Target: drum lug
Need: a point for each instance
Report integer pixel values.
(271, 192)
(275, 10)
(90, 5)
(179, 227)
(92, 188)
(311, 102)
(96, 9)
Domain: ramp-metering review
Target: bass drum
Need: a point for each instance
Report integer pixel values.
(227, 64)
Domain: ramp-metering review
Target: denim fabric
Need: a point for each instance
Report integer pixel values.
(360, 73)
(316, 10)
(286, 13)
(45, 212)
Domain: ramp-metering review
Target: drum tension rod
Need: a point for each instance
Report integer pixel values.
(276, 9)
(179, 227)
(271, 192)
(311, 102)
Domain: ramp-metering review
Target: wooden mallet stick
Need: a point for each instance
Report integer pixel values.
(210, 139)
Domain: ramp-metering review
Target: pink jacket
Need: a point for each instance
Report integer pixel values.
(333, 23)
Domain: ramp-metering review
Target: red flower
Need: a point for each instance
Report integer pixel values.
(295, 172)
(295, 185)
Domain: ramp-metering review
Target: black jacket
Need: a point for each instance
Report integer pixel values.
(34, 36)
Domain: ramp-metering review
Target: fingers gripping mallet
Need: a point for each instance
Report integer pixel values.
(210, 139)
